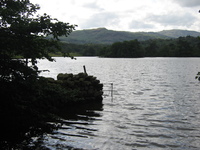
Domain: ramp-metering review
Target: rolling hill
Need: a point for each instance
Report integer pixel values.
(105, 36)
(179, 33)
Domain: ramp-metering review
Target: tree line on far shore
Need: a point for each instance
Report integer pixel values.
(181, 47)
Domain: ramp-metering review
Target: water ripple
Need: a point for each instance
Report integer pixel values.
(155, 106)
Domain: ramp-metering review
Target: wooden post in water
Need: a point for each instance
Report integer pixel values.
(111, 91)
(84, 69)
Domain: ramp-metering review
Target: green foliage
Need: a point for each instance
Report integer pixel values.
(181, 47)
(28, 101)
(21, 115)
(126, 49)
(152, 49)
(184, 47)
(23, 33)
(81, 49)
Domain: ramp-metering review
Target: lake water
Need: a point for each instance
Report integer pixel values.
(156, 105)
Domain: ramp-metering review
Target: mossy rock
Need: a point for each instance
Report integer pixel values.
(81, 87)
(82, 75)
(81, 79)
(90, 78)
(87, 83)
(62, 76)
(69, 79)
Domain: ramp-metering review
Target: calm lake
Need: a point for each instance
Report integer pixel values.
(155, 105)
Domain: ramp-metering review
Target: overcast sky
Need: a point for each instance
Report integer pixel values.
(125, 15)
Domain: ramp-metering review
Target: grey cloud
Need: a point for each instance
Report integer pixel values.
(101, 20)
(92, 6)
(140, 25)
(173, 19)
(188, 3)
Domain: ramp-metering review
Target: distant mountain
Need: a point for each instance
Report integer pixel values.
(179, 33)
(105, 36)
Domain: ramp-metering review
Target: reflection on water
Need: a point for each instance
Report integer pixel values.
(156, 105)
(78, 126)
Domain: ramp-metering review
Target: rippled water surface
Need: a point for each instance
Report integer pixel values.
(156, 105)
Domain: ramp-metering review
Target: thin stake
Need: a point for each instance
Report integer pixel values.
(111, 91)
(84, 69)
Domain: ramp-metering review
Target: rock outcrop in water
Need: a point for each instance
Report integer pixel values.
(83, 88)
(70, 90)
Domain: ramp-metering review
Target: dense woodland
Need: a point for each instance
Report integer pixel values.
(180, 47)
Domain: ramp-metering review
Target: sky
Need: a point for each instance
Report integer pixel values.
(125, 15)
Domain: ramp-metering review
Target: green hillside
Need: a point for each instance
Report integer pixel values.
(179, 33)
(105, 36)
